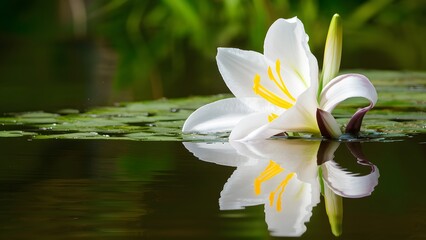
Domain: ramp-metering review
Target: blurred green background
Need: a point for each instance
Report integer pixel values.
(78, 54)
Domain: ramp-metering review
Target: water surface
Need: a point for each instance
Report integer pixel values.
(98, 189)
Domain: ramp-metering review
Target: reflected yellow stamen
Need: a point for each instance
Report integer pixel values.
(270, 171)
(268, 95)
(281, 189)
(271, 117)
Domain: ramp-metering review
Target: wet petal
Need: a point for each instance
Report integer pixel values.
(286, 40)
(223, 115)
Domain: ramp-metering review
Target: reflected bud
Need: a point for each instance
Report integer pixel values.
(334, 209)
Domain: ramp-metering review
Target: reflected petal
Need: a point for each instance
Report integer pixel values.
(219, 153)
(238, 192)
(296, 155)
(348, 184)
(283, 176)
(326, 151)
(296, 210)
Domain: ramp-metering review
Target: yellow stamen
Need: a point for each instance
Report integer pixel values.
(271, 117)
(270, 171)
(281, 189)
(284, 88)
(268, 95)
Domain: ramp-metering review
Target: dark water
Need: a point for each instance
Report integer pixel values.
(65, 189)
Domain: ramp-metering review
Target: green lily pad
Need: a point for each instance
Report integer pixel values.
(400, 111)
(16, 133)
(79, 135)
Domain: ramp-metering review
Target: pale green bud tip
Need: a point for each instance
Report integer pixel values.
(334, 209)
(333, 50)
(336, 22)
(336, 227)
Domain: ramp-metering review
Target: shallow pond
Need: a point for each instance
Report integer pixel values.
(126, 172)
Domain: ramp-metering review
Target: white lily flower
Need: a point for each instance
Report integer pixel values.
(283, 176)
(279, 91)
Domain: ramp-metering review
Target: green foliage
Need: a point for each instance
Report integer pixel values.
(164, 44)
(167, 47)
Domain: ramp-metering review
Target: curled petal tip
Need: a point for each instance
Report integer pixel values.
(354, 125)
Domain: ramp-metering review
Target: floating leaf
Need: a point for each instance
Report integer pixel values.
(16, 133)
(400, 111)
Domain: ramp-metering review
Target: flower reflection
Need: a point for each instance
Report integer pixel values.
(288, 177)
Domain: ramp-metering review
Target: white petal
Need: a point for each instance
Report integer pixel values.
(344, 87)
(238, 69)
(301, 117)
(218, 152)
(253, 127)
(223, 115)
(286, 40)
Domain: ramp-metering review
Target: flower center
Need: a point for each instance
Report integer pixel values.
(271, 171)
(270, 96)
